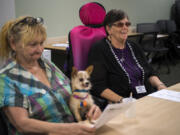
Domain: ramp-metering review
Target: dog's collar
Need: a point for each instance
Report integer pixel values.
(81, 98)
(77, 90)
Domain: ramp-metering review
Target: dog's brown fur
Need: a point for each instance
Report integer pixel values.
(80, 80)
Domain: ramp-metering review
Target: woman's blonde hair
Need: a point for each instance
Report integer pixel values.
(18, 31)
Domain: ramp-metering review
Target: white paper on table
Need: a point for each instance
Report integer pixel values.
(111, 111)
(167, 94)
(60, 45)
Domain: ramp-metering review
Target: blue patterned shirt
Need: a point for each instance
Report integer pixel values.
(20, 88)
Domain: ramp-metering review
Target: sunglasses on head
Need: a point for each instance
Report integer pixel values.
(30, 21)
(121, 24)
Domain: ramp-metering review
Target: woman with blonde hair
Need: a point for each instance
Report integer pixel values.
(34, 93)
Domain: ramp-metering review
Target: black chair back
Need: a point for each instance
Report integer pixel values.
(153, 46)
(3, 126)
(171, 26)
(167, 26)
(147, 28)
(150, 31)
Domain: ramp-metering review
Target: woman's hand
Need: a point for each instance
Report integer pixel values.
(27, 125)
(157, 83)
(74, 129)
(81, 129)
(161, 86)
(94, 112)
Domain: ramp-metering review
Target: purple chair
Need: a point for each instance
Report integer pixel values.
(83, 36)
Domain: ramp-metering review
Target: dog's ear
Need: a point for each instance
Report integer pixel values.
(89, 69)
(74, 71)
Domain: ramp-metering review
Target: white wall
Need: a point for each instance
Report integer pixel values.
(7, 12)
(62, 15)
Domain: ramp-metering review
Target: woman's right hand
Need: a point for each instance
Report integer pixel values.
(27, 125)
(81, 129)
(75, 129)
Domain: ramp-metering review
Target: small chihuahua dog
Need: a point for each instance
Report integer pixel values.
(81, 100)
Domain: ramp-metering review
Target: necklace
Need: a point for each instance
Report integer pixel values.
(120, 51)
(121, 54)
(122, 59)
(119, 62)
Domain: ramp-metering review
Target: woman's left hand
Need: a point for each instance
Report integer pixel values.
(161, 86)
(94, 112)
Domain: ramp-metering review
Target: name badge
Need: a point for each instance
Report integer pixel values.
(140, 89)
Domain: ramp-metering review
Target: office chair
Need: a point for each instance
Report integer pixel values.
(166, 26)
(153, 46)
(173, 41)
(83, 36)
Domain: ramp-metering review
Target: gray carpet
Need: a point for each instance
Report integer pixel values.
(173, 77)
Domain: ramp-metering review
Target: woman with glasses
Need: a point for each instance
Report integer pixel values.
(120, 67)
(34, 93)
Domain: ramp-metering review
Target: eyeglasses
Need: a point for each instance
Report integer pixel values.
(31, 21)
(120, 24)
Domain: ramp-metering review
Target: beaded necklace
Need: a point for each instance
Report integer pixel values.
(118, 61)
